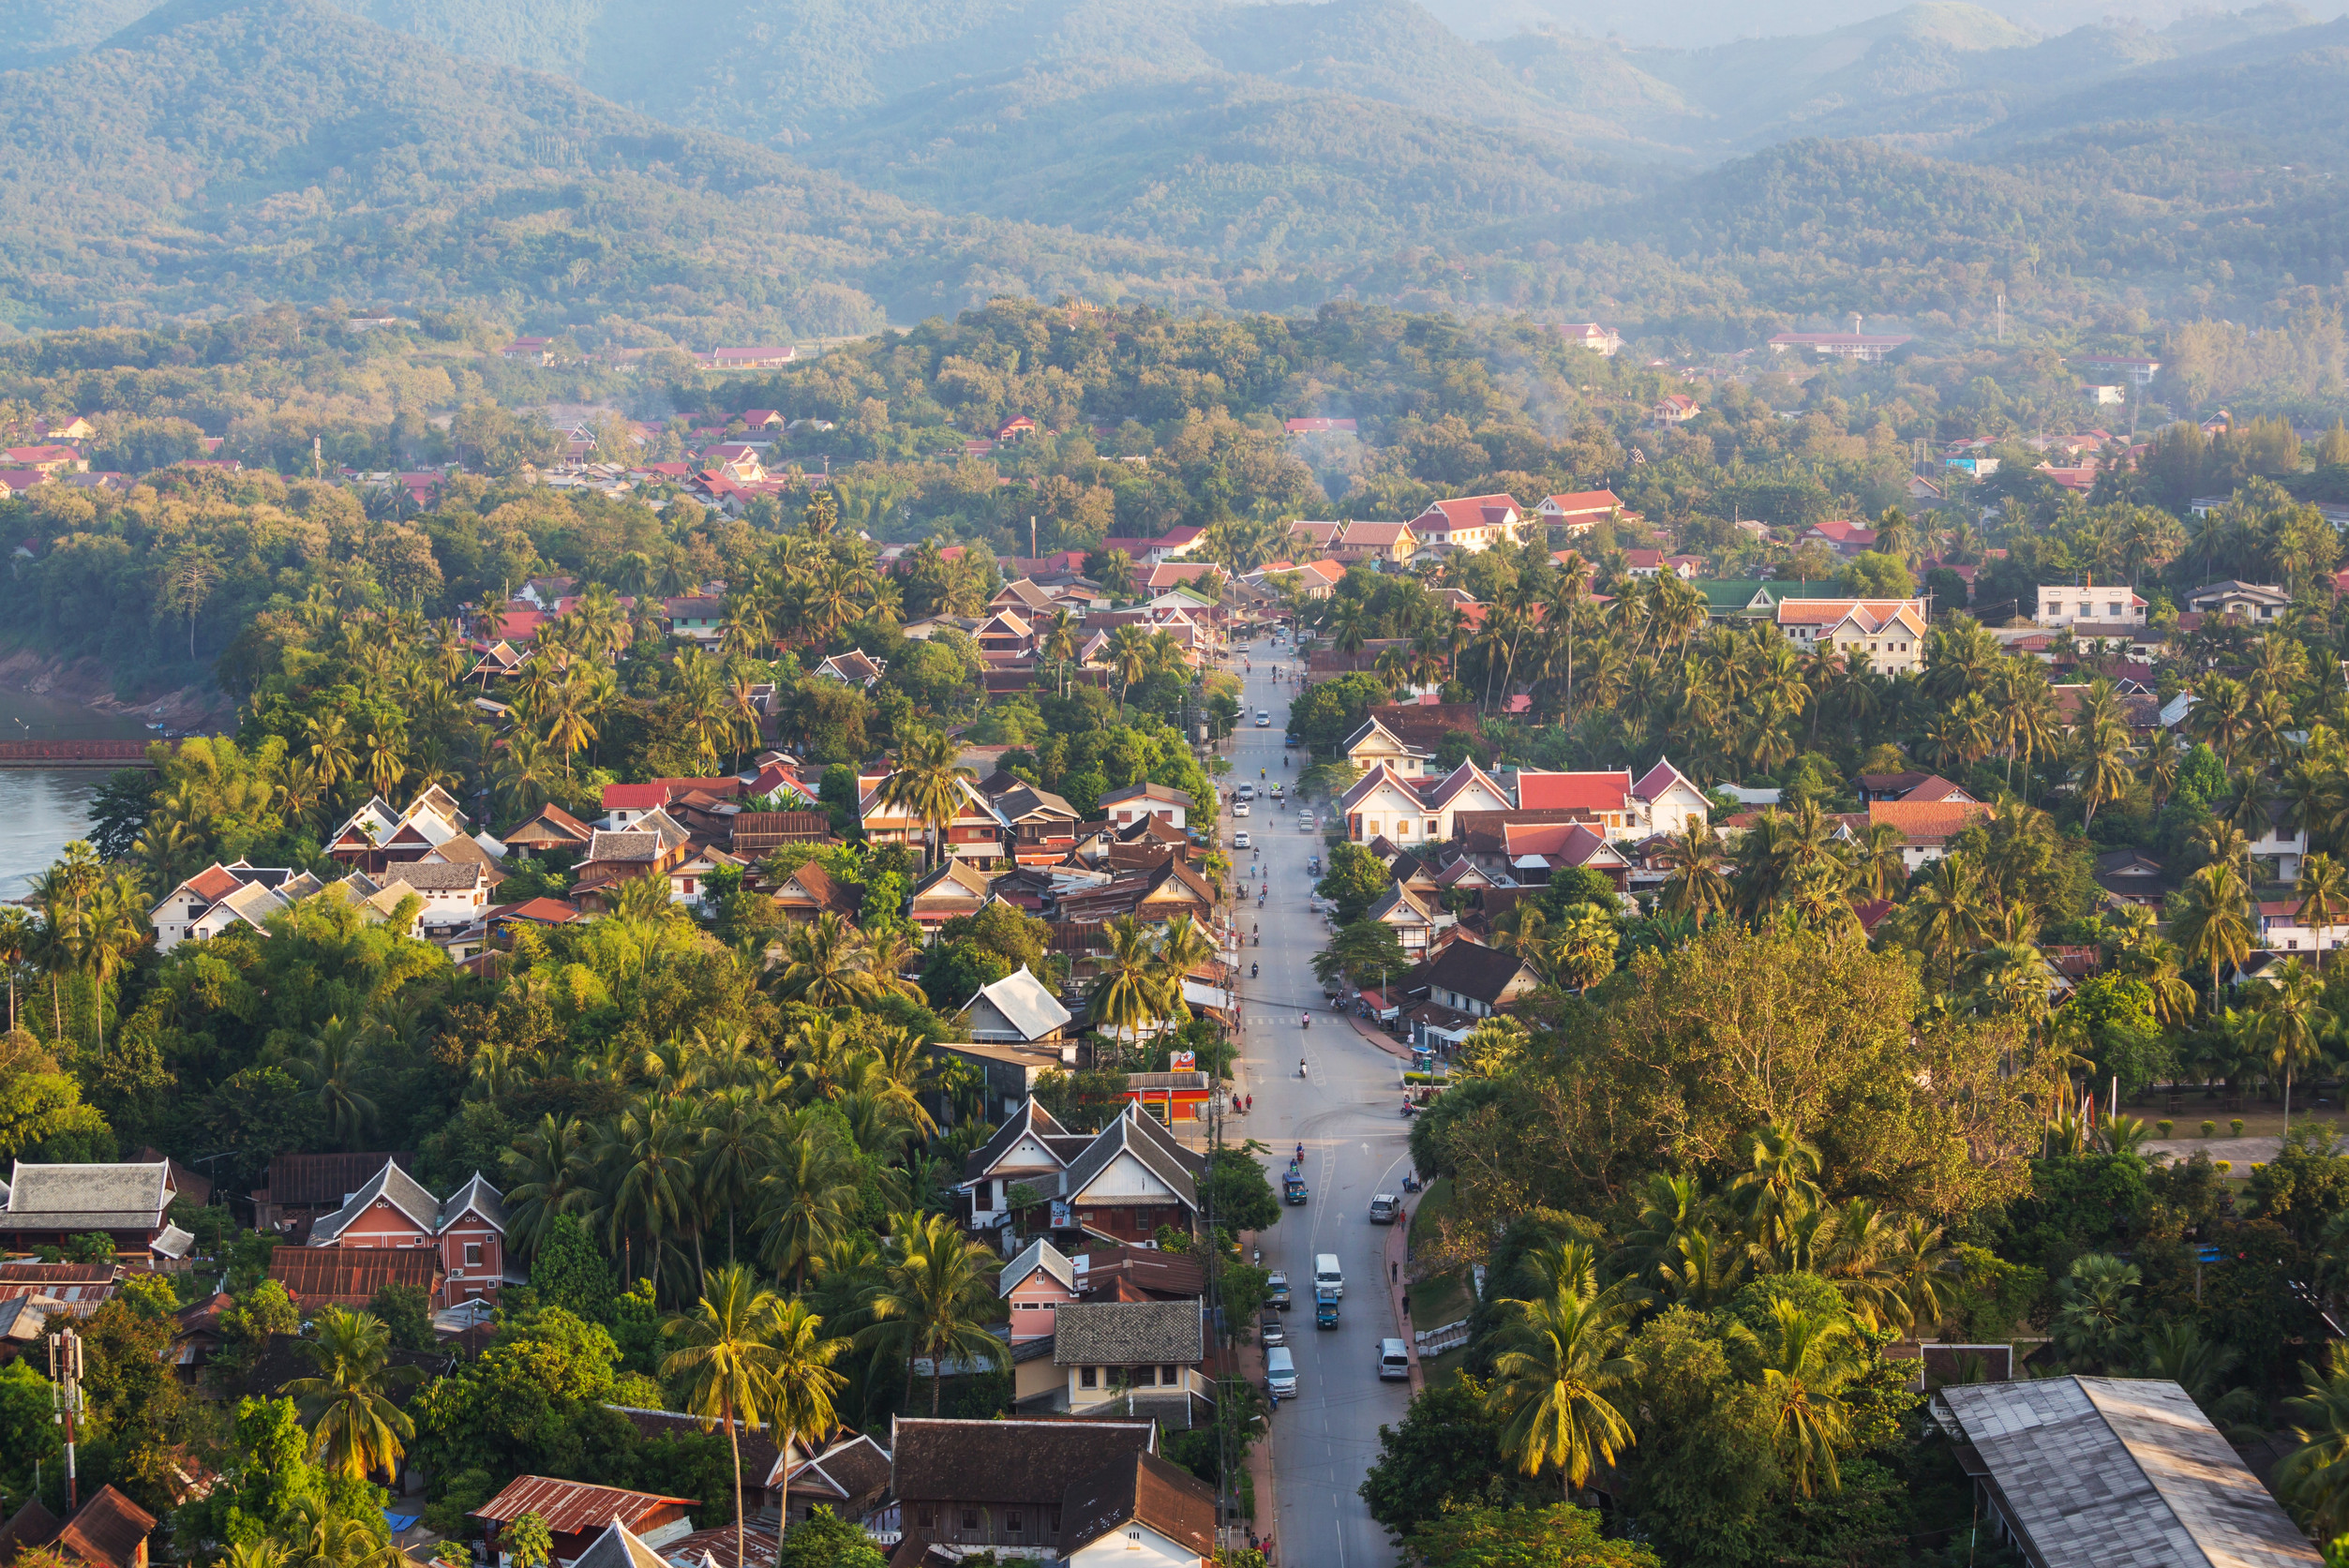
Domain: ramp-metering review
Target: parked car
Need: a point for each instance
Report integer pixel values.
(1270, 1330)
(1394, 1361)
(1383, 1209)
(1276, 1290)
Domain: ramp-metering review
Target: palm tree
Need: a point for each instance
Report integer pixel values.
(2213, 928)
(1129, 990)
(725, 1363)
(549, 1176)
(808, 1197)
(333, 1066)
(1696, 887)
(2292, 1023)
(1799, 1371)
(2104, 764)
(1551, 1384)
(356, 1430)
(2324, 893)
(936, 1299)
(647, 1158)
(2315, 1477)
(804, 1382)
(928, 785)
(1582, 946)
(824, 964)
(1128, 652)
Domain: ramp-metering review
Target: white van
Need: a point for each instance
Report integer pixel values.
(1280, 1372)
(1326, 1274)
(1394, 1361)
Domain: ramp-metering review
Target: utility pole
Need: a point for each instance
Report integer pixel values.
(2001, 317)
(65, 1400)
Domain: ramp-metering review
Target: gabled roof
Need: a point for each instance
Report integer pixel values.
(325, 1180)
(390, 1185)
(1029, 1120)
(106, 1531)
(1140, 1489)
(853, 1469)
(1381, 775)
(1663, 776)
(619, 1547)
(349, 1275)
(1135, 1131)
(478, 1197)
(1371, 729)
(1027, 1003)
(1463, 777)
(1927, 822)
(1039, 1254)
(1026, 800)
(1483, 973)
(1399, 901)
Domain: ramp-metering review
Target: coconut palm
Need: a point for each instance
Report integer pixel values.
(333, 1066)
(2315, 1477)
(1800, 1365)
(2323, 889)
(824, 964)
(2212, 929)
(356, 1430)
(1129, 990)
(801, 1381)
(1696, 887)
(936, 1298)
(726, 1363)
(2294, 1023)
(927, 784)
(1553, 1382)
(808, 1197)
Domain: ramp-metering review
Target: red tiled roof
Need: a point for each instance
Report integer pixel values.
(635, 797)
(213, 883)
(1600, 792)
(1584, 501)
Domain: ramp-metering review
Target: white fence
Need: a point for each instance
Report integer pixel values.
(1435, 1341)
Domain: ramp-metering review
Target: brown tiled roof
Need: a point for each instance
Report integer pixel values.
(1005, 1461)
(1168, 1275)
(1144, 1489)
(348, 1277)
(107, 1530)
(755, 832)
(1483, 973)
(324, 1180)
(29, 1525)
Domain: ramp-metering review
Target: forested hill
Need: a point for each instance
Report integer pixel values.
(223, 152)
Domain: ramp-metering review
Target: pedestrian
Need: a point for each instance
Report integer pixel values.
(1406, 1304)
(1394, 1272)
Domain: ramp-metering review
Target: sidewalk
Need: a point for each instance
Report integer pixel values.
(1397, 1282)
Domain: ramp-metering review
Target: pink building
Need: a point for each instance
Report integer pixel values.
(395, 1210)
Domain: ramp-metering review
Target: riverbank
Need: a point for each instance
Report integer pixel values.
(89, 684)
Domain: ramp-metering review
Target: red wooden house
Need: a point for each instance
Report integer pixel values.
(393, 1210)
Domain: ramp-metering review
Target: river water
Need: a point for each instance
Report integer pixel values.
(41, 813)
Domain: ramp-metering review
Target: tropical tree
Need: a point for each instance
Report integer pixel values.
(1801, 1366)
(936, 1299)
(356, 1429)
(726, 1363)
(826, 964)
(1697, 887)
(1553, 1379)
(927, 784)
(2213, 925)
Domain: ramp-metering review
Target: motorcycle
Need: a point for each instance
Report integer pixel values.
(1411, 1181)
(1410, 1110)
(1309, 1023)
(1251, 971)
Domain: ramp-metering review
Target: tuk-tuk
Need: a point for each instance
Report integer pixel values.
(1324, 1307)
(1293, 1185)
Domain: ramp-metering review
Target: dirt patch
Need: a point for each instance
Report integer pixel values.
(90, 684)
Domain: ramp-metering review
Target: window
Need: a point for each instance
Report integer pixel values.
(1088, 1377)
(970, 1518)
(472, 1254)
(1169, 1376)
(1144, 1377)
(1053, 1521)
(1011, 1524)
(924, 1517)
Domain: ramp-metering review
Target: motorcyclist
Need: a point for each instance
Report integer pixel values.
(1251, 971)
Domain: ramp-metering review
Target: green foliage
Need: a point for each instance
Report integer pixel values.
(824, 1540)
(1558, 1536)
(1356, 880)
(1445, 1457)
(1238, 1193)
(528, 1542)
(406, 1311)
(567, 1273)
(2304, 1185)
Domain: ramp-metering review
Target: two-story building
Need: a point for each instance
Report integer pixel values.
(50, 1205)
(1468, 523)
(221, 897)
(1135, 801)
(2112, 610)
(1134, 1358)
(977, 831)
(1043, 826)
(393, 1210)
(1121, 1183)
(2245, 602)
(1889, 633)
(1385, 803)
(1580, 511)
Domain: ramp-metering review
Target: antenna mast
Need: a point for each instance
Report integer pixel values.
(65, 1399)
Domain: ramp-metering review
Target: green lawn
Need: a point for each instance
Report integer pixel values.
(1446, 1296)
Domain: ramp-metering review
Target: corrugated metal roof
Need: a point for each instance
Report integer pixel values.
(570, 1507)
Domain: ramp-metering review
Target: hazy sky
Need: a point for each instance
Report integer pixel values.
(1697, 22)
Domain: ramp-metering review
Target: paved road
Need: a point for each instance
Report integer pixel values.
(1345, 1111)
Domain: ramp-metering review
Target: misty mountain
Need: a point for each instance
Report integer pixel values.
(219, 153)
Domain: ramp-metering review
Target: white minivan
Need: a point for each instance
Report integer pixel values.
(1280, 1372)
(1327, 1275)
(1394, 1361)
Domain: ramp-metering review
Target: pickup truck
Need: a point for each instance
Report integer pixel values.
(1325, 1308)
(1276, 1290)
(1270, 1330)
